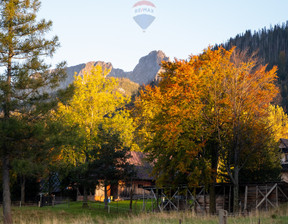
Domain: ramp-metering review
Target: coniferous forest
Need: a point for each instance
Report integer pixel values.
(271, 47)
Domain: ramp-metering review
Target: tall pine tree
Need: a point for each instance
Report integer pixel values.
(25, 79)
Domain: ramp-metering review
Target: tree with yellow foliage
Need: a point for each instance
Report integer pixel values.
(278, 120)
(96, 105)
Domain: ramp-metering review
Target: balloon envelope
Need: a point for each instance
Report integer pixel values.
(144, 21)
(144, 13)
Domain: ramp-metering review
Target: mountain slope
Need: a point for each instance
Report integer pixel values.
(145, 71)
(148, 68)
(271, 46)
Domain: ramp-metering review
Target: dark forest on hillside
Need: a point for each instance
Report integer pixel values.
(271, 46)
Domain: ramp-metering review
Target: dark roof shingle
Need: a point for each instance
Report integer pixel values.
(143, 168)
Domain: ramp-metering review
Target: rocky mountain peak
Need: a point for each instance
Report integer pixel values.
(145, 71)
(80, 69)
(148, 67)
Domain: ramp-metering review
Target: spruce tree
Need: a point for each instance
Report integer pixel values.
(25, 78)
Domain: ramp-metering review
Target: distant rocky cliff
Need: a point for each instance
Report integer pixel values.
(145, 71)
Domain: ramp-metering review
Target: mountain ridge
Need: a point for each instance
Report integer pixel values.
(145, 72)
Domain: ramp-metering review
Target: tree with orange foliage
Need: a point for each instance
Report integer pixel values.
(170, 123)
(210, 107)
(249, 90)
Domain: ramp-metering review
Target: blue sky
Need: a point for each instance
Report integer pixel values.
(92, 30)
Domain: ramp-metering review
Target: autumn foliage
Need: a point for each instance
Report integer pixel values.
(220, 99)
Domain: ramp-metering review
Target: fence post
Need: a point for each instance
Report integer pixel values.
(223, 216)
(40, 201)
(53, 200)
(143, 209)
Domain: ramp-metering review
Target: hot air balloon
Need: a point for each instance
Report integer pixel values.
(144, 12)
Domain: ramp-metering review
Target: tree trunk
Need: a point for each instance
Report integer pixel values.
(106, 196)
(212, 199)
(85, 193)
(212, 193)
(236, 131)
(236, 190)
(131, 198)
(85, 198)
(157, 199)
(49, 184)
(23, 182)
(7, 216)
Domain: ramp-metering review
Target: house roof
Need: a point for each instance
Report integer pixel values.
(142, 166)
(284, 167)
(284, 145)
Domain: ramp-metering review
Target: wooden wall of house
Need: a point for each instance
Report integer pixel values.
(90, 198)
(284, 176)
(124, 189)
(204, 204)
(99, 194)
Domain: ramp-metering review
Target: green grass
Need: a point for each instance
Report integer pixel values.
(119, 214)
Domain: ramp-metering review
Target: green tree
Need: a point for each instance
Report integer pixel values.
(34, 153)
(109, 161)
(265, 166)
(96, 102)
(25, 78)
(26, 161)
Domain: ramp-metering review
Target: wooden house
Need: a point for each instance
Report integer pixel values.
(284, 159)
(123, 189)
(143, 177)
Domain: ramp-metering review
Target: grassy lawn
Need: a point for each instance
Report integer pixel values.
(119, 214)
